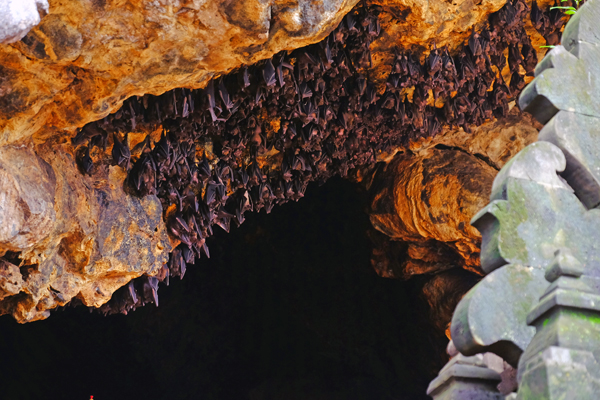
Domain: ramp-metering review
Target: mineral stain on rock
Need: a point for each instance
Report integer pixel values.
(63, 38)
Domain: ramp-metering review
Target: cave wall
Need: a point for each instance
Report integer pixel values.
(421, 203)
(83, 235)
(424, 197)
(86, 57)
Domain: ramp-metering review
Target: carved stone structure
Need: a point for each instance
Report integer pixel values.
(539, 306)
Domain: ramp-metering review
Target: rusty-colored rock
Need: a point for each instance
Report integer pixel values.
(496, 142)
(86, 57)
(11, 281)
(431, 196)
(424, 198)
(27, 202)
(81, 236)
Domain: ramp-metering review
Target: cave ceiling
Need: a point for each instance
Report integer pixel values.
(148, 125)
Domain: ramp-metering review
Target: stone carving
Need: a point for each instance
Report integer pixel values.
(560, 362)
(540, 228)
(468, 378)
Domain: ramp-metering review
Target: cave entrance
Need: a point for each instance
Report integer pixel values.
(288, 307)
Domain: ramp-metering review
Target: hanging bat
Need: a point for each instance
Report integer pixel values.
(120, 152)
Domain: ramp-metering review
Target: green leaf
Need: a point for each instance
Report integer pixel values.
(570, 12)
(547, 47)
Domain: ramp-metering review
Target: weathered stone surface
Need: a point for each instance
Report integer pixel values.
(492, 144)
(562, 357)
(482, 321)
(567, 78)
(426, 200)
(27, 212)
(468, 378)
(575, 134)
(529, 175)
(496, 142)
(17, 17)
(573, 105)
(417, 25)
(97, 240)
(11, 280)
(534, 214)
(535, 219)
(86, 57)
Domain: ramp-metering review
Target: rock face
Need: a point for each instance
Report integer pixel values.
(86, 57)
(424, 198)
(71, 235)
(422, 203)
(425, 203)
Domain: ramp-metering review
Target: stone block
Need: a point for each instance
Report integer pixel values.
(492, 316)
(576, 135)
(465, 378)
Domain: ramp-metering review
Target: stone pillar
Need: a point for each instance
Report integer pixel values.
(560, 361)
(467, 378)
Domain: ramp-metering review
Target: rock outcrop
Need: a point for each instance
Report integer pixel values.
(66, 235)
(424, 198)
(86, 57)
(422, 202)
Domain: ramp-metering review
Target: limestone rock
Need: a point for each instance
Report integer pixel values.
(11, 280)
(86, 57)
(27, 203)
(91, 239)
(84, 237)
(430, 197)
(422, 243)
(496, 142)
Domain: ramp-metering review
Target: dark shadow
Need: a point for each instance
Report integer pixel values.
(288, 307)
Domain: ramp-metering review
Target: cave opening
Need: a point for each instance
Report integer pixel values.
(287, 307)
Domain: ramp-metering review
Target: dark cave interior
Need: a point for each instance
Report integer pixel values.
(288, 307)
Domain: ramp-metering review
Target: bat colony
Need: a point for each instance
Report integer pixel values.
(330, 118)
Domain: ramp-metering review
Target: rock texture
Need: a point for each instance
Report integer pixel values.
(427, 201)
(422, 202)
(75, 236)
(70, 235)
(424, 198)
(86, 57)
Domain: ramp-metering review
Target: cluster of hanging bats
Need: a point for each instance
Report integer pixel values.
(313, 113)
